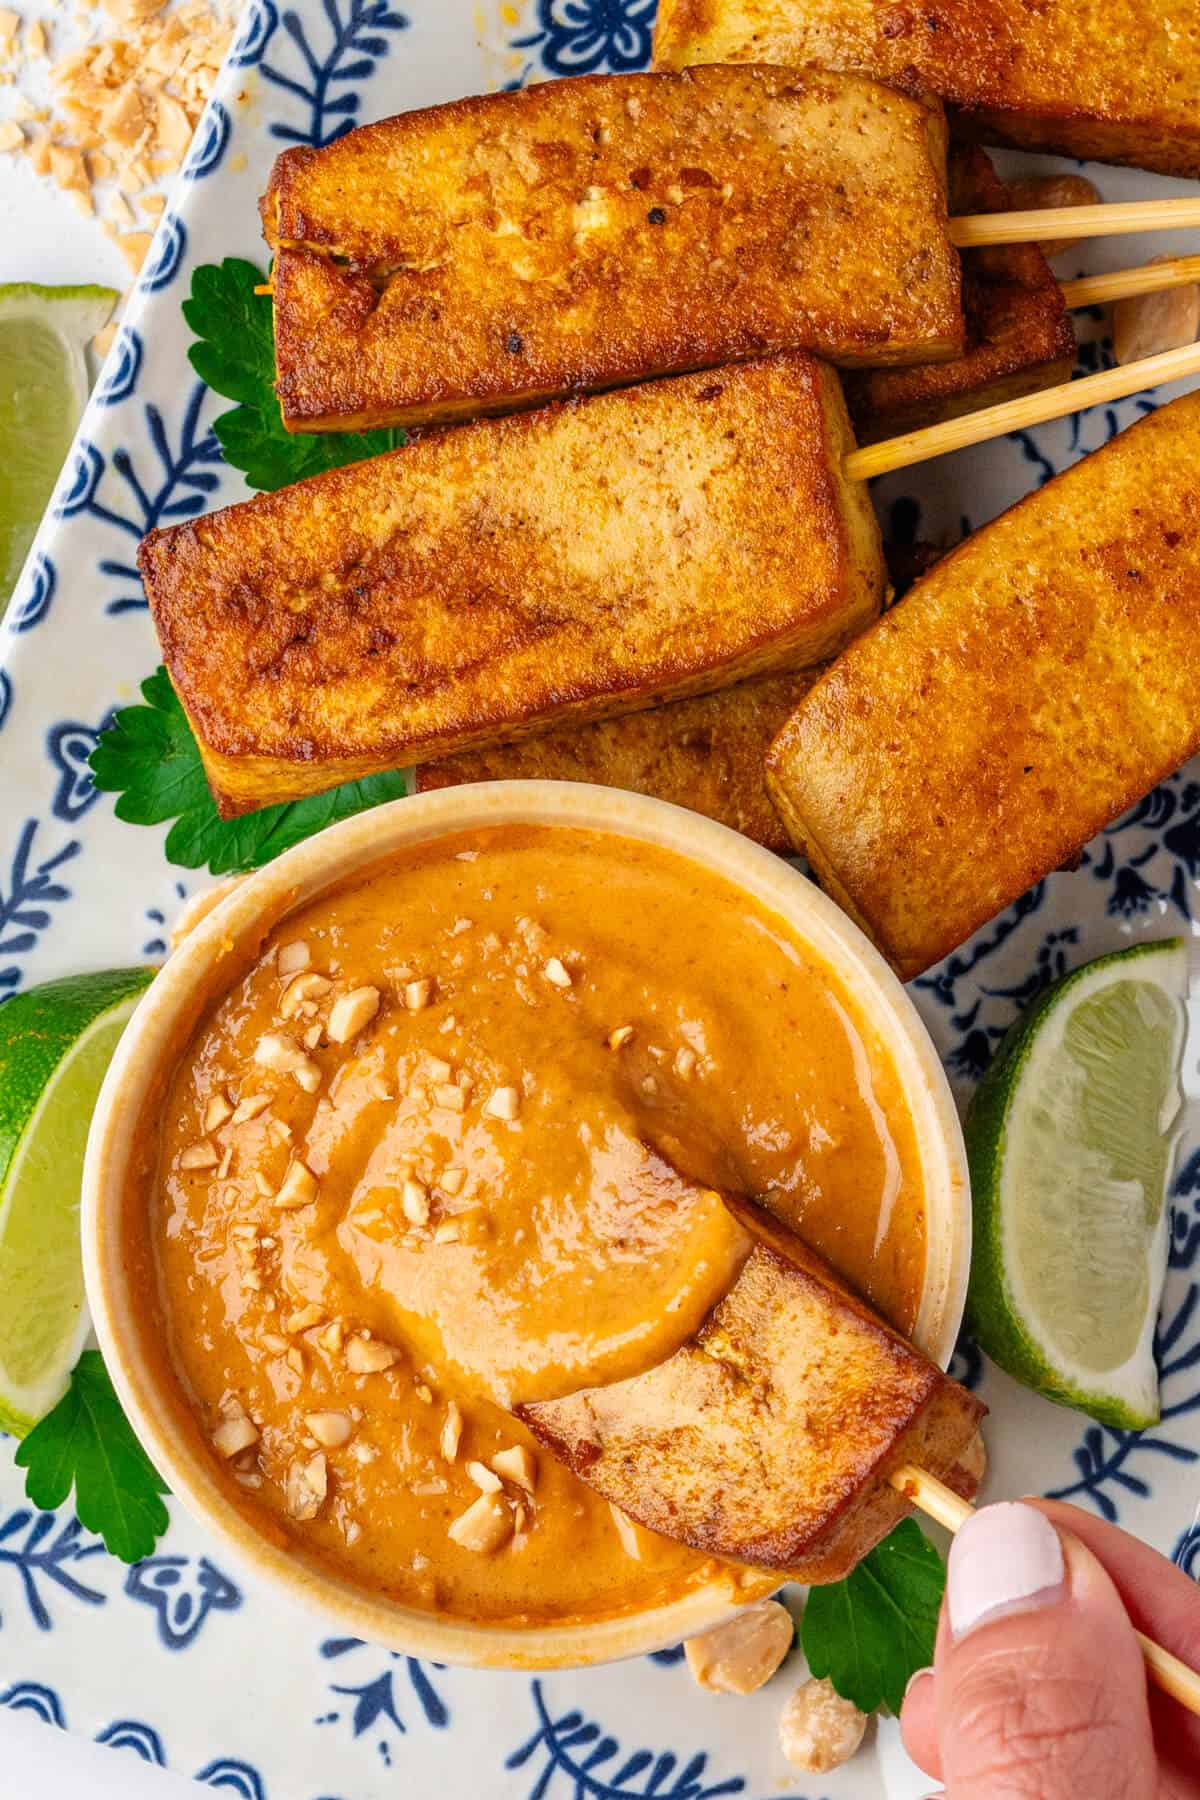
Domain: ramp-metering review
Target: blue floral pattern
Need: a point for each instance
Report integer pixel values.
(128, 1656)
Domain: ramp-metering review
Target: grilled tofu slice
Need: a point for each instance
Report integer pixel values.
(578, 235)
(1020, 338)
(576, 562)
(708, 753)
(1117, 80)
(1030, 688)
(769, 1437)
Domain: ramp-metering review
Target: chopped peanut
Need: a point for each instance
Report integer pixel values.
(450, 1180)
(417, 994)
(235, 1435)
(818, 1730)
(333, 1337)
(557, 973)
(744, 1653)
(484, 1478)
(299, 1188)
(250, 1107)
(485, 1526)
(307, 1486)
(505, 1103)
(304, 1319)
(415, 1202)
(216, 1112)
(517, 1464)
(292, 958)
(621, 1036)
(452, 1426)
(453, 1099)
(309, 986)
(199, 1156)
(351, 1013)
(276, 1051)
(366, 1356)
(331, 1429)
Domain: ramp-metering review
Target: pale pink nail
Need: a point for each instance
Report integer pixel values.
(1006, 1559)
(917, 1676)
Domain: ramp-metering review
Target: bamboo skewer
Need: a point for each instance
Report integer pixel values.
(970, 230)
(1018, 415)
(947, 1508)
(1124, 284)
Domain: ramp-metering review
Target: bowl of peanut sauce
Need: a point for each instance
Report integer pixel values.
(375, 1164)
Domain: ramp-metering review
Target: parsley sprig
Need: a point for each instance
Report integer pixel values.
(234, 353)
(149, 756)
(87, 1443)
(871, 1632)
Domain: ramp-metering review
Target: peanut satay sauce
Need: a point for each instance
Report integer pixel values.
(405, 1180)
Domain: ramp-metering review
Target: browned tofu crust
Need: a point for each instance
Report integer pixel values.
(570, 563)
(1030, 688)
(1020, 338)
(708, 753)
(582, 234)
(770, 1436)
(1118, 80)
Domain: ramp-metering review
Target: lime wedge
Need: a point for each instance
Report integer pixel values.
(56, 1042)
(43, 389)
(1071, 1138)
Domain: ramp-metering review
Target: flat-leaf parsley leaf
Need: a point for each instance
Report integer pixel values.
(872, 1631)
(88, 1443)
(235, 355)
(149, 756)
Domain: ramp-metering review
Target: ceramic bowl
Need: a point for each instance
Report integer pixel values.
(122, 1149)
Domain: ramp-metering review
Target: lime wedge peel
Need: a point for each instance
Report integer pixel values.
(56, 1042)
(44, 332)
(1071, 1138)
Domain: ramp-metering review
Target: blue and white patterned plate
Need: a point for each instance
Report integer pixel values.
(182, 1660)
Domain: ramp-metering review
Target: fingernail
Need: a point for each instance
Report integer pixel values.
(914, 1680)
(1007, 1558)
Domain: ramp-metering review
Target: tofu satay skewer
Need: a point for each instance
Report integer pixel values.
(950, 1510)
(1019, 415)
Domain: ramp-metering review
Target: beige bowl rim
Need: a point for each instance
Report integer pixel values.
(194, 974)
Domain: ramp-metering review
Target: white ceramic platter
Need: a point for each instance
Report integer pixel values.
(182, 1660)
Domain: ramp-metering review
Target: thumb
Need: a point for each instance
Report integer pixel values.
(1040, 1686)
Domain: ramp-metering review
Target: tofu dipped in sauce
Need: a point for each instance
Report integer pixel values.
(406, 1182)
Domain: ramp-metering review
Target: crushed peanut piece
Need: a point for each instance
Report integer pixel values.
(299, 1188)
(199, 1156)
(262, 1185)
(305, 1318)
(309, 986)
(450, 1180)
(818, 1730)
(353, 1531)
(557, 973)
(331, 1429)
(452, 1427)
(417, 994)
(685, 1063)
(295, 1360)
(292, 958)
(504, 1103)
(485, 1526)
(447, 1233)
(484, 1478)
(217, 1111)
(744, 1653)
(351, 1012)
(517, 1464)
(307, 1486)
(249, 1108)
(627, 1532)
(235, 1435)
(333, 1337)
(437, 1068)
(620, 1037)
(415, 1202)
(276, 1051)
(11, 136)
(366, 1356)
(453, 1099)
